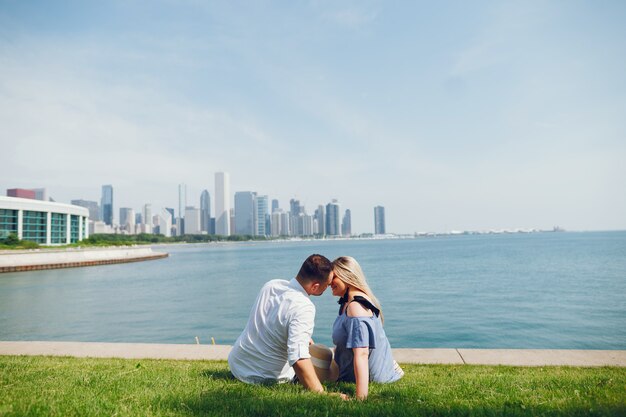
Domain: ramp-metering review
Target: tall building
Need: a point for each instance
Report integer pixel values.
(333, 220)
(285, 224)
(127, 219)
(293, 224)
(379, 220)
(321, 221)
(192, 221)
(106, 205)
(146, 224)
(232, 220)
(222, 203)
(346, 224)
(165, 222)
(171, 212)
(92, 206)
(296, 211)
(275, 223)
(306, 224)
(244, 213)
(182, 204)
(295, 208)
(262, 212)
(275, 205)
(205, 211)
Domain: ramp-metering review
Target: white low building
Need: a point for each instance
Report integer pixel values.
(43, 222)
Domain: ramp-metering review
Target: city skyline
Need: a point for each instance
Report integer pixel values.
(250, 215)
(453, 116)
(247, 206)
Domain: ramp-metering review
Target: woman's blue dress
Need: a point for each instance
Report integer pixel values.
(354, 332)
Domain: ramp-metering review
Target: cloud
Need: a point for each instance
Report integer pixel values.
(275, 98)
(61, 123)
(353, 18)
(349, 14)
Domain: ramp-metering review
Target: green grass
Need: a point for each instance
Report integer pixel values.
(48, 386)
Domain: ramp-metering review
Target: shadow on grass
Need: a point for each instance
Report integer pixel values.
(234, 398)
(220, 374)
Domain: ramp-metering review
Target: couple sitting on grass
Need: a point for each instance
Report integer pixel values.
(276, 345)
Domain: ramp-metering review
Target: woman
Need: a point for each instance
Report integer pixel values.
(362, 350)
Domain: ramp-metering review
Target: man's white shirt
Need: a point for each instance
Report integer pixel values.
(277, 335)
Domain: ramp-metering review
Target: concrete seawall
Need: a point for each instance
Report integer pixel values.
(36, 259)
(508, 357)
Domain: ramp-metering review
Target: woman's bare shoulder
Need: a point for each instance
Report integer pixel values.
(355, 309)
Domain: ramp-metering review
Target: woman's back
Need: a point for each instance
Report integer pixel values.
(363, 331)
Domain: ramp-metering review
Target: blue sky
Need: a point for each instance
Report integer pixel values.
(453, 115)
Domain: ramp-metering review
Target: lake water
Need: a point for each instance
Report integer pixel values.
(542, 290)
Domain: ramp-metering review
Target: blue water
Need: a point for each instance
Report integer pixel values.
(543, 290)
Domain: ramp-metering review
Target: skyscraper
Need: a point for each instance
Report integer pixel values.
(295, 207)
(192, 221)
(146, 226)
(305, 224)
(205, 211)
(232, 220)
(295, 211)
(333, 220)
(92, 206)
(244, 213)
(222, 203)
(379, 220)
(285, 225)
(165, 222)
(275, 224)
(261, 209)
(171, 212)
(275, 205)
(321, 220)
(106, 204)
(182, 204)
(346, 224)
(127, 219)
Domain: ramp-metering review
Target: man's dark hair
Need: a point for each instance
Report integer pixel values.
(315, 268)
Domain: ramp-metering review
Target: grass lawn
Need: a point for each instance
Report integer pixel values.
(49, 386)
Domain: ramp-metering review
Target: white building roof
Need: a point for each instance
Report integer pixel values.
(15, 203)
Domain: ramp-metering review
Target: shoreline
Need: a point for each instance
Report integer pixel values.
(295, 239)
(492, 357)
(36, 259)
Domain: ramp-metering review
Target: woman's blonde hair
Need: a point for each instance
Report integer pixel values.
(349, 271)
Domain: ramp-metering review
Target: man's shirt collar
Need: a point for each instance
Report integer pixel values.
(295, 284)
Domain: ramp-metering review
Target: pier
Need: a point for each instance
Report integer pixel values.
(37, 259)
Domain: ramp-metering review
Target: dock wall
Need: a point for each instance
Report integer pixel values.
(36, 259)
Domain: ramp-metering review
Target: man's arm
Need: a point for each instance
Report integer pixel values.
(299, 334)
(307, 376)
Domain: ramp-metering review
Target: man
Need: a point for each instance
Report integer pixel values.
(274, 346)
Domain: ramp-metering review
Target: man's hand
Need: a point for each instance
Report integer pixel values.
(340, 395)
